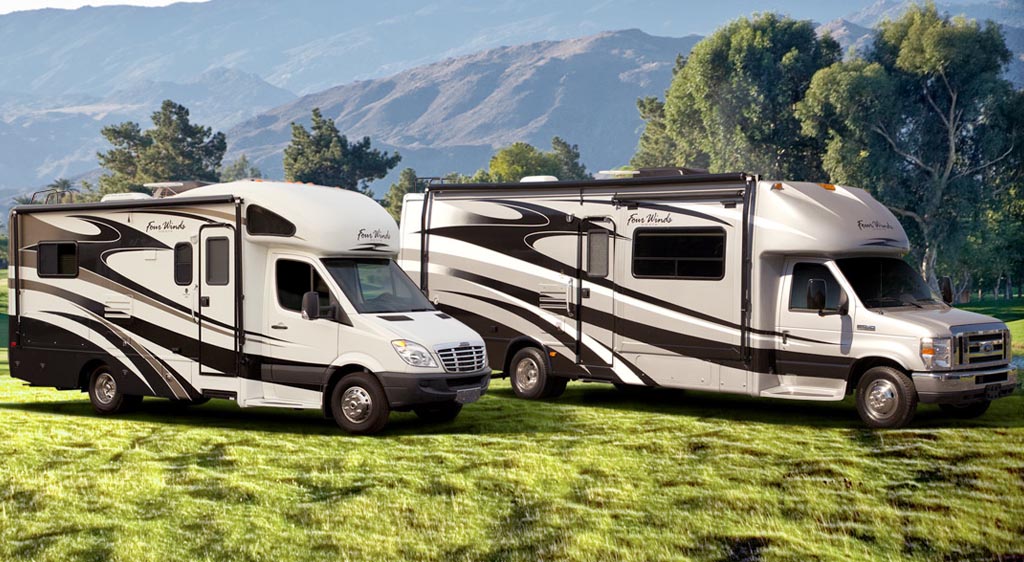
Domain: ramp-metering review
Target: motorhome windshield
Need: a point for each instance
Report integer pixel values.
(376, 285)
(886, 282)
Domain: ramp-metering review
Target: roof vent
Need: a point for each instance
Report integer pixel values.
(534, 179)
(132, 196)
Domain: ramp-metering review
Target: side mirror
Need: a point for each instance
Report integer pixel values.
(311, 306)
(946, 288)
(844, 303)
(817, 292)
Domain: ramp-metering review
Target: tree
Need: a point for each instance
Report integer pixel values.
(240, 169)
(730, 107)
(325, 157)
(174, 149)
(568, 158)
(921, 123)
(407, 182)
(656, 149)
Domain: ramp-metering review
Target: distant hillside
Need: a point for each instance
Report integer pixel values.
(449, 116)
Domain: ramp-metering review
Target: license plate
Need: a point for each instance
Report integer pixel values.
(467, 395)
(992, 392)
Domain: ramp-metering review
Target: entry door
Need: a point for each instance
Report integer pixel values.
(595, 319)
(303, 349)
(216, 303)
(812, 345)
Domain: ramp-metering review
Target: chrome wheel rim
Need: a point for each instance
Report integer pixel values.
(106, 388)
(356, 404)
(882, 399)
(527, 374)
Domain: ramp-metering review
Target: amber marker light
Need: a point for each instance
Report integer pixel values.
(827, 186)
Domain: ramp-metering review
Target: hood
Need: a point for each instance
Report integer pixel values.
(427, 328)
(929, 321)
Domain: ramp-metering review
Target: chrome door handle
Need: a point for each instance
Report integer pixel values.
(279, 327)
(785, 337)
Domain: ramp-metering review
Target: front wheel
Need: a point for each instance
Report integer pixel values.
(886, 398)
(359, 405)
(105, 393)
(438, 413)
(966, 411)
(530, 377)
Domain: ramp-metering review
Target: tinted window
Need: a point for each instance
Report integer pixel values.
(679, 253)
(264, 222)
(376, 285)
(597, 253)
(217, 257)
(183, 263)
(886, 282)
(802, 275)
(57, 259)
(294, 279)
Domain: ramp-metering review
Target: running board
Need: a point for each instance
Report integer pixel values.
(223, 394)
(794, 392)
(262, 402)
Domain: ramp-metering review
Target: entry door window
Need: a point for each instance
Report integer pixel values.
(296, 278)
(802, 275)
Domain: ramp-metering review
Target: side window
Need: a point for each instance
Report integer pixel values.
(57, 259)
(802, 275)
(679, 253)
(296, 278)
(183, 263)
(217, 258)
(597, 253)
(264, 222)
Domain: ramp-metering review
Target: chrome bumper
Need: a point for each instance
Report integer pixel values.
(965, 386)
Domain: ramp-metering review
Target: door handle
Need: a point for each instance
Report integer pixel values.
(585, 293)
(204, 301)
(279, 326)
(785, 337)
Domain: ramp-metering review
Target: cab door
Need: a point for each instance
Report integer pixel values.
(302, 350)
(814, 343)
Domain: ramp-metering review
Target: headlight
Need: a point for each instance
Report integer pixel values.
(937, 353)
(413, 353)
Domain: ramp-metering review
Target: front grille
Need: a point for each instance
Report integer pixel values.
(463, 359)
(989, 346)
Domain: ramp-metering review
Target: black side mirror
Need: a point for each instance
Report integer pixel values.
(817, 293)
(946, 288)
(311, 306)
(844, 303)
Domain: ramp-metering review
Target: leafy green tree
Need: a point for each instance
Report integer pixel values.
(568, 158)
(730, 107)
(921, 123)
(61, 184)
(407, 182)
(324, 156)
(519, 160)
(174, 149)
(656, 149)
(240, 169)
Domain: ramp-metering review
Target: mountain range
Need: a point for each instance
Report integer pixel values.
(444, 83)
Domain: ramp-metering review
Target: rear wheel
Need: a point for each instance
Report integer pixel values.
(359, 405)
(886, 398)
(437, 413)
(105, 393)
(530, 377)
(966, 411)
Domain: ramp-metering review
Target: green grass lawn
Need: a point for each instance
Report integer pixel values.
(595, 475)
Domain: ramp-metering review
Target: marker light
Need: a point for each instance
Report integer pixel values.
(413, 353)
(937, 352)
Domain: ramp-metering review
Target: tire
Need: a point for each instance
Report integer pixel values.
(359, 405)
(105, 393)
(886, 398)
(528, 372)
(438, 413)
(966, 411)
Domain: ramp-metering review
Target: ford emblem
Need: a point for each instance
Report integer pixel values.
(987, 347)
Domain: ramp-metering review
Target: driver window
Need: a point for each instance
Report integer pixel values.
(802, 275)
(296, 278)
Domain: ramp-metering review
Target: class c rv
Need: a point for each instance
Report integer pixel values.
(265, 293)
(713, 282)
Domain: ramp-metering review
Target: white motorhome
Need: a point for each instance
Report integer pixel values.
(266, 293)
(716, 282)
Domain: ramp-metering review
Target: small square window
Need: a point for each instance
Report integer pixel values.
(57, 259)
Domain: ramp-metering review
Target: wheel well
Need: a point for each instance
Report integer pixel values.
(87, 369)
(515, 346)
(865, 364)
(335, 375)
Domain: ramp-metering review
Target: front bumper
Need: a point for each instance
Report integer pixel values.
(965, 387)
(405, 390)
